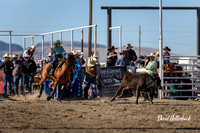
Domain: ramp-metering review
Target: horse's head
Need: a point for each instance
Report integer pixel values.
(71, 59)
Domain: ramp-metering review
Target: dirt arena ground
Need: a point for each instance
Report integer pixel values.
(30, 114)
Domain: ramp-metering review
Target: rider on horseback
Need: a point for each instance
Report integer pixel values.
(58, 52)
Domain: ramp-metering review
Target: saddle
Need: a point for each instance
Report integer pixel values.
(60, 62)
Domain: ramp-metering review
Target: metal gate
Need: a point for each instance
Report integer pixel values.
(190, 73)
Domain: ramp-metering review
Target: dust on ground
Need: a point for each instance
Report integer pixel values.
(30, 114)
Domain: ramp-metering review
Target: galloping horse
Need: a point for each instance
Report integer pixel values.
(61, 75)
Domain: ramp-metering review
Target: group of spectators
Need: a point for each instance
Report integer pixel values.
(17, 71)
(129, 58)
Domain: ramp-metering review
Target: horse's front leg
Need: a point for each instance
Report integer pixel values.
(61, 92)
(41, 86)
(54, 89)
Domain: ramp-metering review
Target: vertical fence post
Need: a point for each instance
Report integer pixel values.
(60, 36)
(120, 39)
(81, 39)
(95, 40)
(51, 40)
(24, 42)
(42, 47)
(32, 41)
(10, 41)
(72, 39)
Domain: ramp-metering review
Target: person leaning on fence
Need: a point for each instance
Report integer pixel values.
(123, 61)
(17, 75)
(30, 51)
(59, 52)
(8, 68)
(77, 81)
(111, 56)
(130, 54)
(166, 53)
(28, 69)
(91, 73)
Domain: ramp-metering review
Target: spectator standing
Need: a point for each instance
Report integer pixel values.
(123, 61)
(130, 53)
(111, 56)
(98, 76)
(91, 72)
(28, 69)
(8, 68)
(77, 77)
(166, 53)
(50, 58)
(17, 75)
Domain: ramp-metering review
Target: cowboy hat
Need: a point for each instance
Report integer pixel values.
(6, 55)
(128, 45)
(122, 52)
(151, 55)
(26, 55)
(75, 52)
(112, 48)
(91, 61)
(14, 56)
(57, 42)
(167, 48)
(95, 56)
(32, 47)
(50, 55)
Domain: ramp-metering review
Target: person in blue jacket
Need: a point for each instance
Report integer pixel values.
(58, 51)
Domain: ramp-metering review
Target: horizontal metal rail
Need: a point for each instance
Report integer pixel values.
(172, 84)
(181, 77)
(182, 96)
(62, 31)
(189, 90)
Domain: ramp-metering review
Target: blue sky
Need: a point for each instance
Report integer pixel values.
(39, 16)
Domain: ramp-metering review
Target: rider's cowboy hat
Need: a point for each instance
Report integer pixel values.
(128, 45)
(6, 55)
(57, 42)
(112, 48)
(14, 56)
(167, 48)
(50, 55)
(26, 55)
(32, 47)
(91, 61)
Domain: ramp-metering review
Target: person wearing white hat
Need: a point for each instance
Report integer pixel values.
(78, 76)
(152, 65)
(17, 75)
(30, 51)
(91, 76)
(58, 52)
(28, 69)
(8, 68)
(50, 58)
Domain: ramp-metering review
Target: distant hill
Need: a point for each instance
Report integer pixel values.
(4, 48)
(101, 49)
